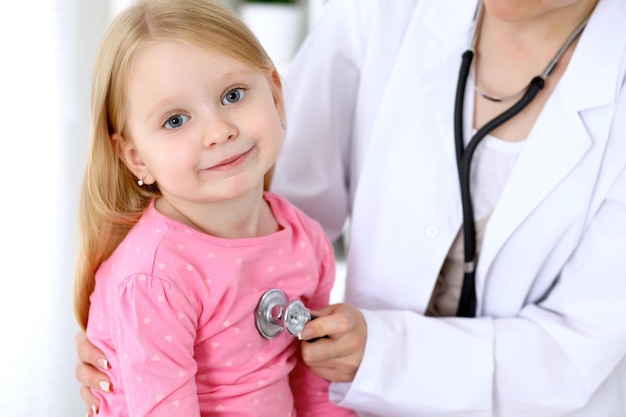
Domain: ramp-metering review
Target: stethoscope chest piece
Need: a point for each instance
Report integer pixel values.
(274, 314)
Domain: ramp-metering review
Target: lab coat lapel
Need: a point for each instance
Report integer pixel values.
(563, 134)
(454, 33)
(554, 148)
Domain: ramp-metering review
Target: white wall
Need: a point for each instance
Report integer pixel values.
(47, 49)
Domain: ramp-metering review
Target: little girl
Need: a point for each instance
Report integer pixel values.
(179, 238)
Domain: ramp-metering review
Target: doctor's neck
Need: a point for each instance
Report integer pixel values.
(529, 24)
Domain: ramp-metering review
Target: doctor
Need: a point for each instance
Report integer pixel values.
(371, 124)
(373, 94)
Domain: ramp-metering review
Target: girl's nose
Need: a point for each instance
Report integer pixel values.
(218, 130)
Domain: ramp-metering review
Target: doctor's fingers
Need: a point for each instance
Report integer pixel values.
(93, 404)
(90, 377)
(336, 360)
(335, 374)
(89, 354)
(87, 372)
(346, 351)
(333, 320)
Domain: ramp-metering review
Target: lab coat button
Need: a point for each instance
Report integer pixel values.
(431, 231)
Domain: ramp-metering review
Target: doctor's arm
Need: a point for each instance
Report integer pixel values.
(549, 360)
(320, 94)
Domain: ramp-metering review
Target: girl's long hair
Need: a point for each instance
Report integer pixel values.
(111, 201)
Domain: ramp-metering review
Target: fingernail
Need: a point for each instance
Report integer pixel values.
(104, 363)
(94, 409)
(305, 334)
(105, 386)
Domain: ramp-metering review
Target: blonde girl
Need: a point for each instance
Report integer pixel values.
(179, 238)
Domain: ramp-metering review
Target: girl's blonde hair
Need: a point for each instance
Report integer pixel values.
(111, 201)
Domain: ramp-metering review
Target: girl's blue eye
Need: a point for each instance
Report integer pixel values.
(233, 96)
(176, 121)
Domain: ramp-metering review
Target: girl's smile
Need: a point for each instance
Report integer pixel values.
(231, 162)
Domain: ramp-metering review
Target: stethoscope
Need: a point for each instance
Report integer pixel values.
(274, 314)
(467, 301)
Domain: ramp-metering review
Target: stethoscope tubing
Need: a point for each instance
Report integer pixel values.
(467, 300)
(464, 154)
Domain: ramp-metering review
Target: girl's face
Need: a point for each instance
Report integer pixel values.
(201, 124)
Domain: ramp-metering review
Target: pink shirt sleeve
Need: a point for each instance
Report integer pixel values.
(157, 330)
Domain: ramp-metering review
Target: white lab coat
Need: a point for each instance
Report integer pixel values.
(370, 136)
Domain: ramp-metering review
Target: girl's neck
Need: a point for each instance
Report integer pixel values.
(244, 217)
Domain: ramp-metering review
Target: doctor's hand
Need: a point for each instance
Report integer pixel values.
(337, 357)
(91, 362)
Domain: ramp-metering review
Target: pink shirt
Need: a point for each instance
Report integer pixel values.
(173, 311)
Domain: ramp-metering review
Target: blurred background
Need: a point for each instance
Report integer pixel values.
(47, 53)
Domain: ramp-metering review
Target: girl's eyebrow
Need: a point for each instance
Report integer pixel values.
(162, 104)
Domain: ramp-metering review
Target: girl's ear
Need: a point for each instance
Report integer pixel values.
(128, 153)
(277, 93)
